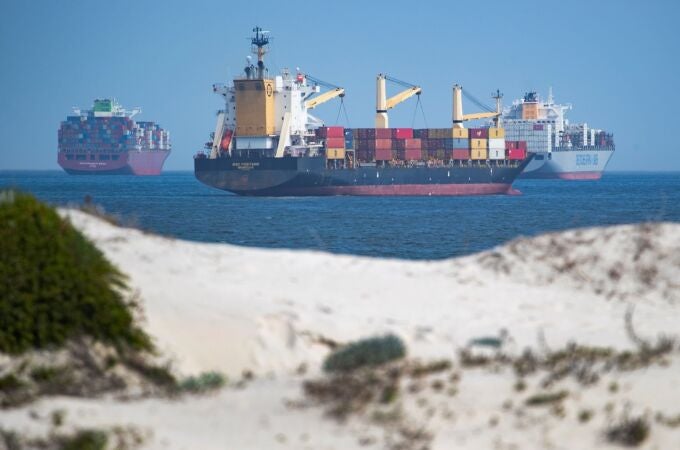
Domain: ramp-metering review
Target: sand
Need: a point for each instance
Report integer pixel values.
(218, 307)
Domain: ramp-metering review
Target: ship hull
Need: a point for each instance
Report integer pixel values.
(309, 176)
(127, 163)
(571, 165)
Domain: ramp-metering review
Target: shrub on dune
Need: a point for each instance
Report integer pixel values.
(366, 352)
(55, 285)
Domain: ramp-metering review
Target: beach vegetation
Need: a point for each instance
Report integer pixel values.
(546, 398)
(365, 353)
(628, 431)
(85, 440)
(56, 285)
(205, 382)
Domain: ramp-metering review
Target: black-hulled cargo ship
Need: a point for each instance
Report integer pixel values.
(266, 143)
(305, 176)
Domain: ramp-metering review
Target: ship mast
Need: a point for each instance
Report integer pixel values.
(259, 47)
(497, 96)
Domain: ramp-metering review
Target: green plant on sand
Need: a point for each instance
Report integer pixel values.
(55, 284)
(366, 352)
(207, 381)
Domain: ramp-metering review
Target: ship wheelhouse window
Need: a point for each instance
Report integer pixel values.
(80, 157)
(91, 157)
(69, 157)
(104, 157)
(115, 157)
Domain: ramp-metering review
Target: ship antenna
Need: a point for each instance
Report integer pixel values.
(259, 47)
(498, 95)
(550, 96)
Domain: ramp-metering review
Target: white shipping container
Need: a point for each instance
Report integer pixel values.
(257, 142)
(496, 153)
(497, 143)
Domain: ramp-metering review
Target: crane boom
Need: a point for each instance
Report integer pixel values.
(336, 91)
(459, 117)
(402, 96)
(382, 103)
(477, 116)
(323, 98)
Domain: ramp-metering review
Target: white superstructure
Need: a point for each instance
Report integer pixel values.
(563, 150)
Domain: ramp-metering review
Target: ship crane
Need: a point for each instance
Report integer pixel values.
(336, 91)
(459, 117)
(382, 103)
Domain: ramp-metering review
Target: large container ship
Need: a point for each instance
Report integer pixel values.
(267, 143)
(562, 150)
(106, 140)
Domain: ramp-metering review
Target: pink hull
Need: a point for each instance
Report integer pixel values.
(131, 163)
(579, 175)
(402, 190)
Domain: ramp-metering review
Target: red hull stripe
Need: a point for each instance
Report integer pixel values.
(404, 189)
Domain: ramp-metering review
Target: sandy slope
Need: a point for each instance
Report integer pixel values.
(227, 308)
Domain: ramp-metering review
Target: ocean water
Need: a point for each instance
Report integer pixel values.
(176, 204)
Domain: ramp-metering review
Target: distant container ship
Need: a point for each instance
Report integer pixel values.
(563, 150)
(106, 140)
(267, 143)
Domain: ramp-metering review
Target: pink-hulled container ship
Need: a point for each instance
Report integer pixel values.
(106, 140)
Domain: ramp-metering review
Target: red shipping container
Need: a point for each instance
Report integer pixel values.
(383, 154)
(383, 144)
(510, 145)
(479, 133)
(402, 133)
(516, 153)
(335, 142)
(383, 133)
(522, 145)
(330, 132)
(409, 154)
(458, 153)
(412, 144)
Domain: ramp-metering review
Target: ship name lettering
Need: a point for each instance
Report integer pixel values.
(245, 165)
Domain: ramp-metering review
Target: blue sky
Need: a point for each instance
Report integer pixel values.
(617, 62)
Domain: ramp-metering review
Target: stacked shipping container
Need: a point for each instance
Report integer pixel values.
(407, 144)
(79, 134)
(335, 140)
(536, 135)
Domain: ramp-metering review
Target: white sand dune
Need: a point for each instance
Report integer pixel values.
(233, 309)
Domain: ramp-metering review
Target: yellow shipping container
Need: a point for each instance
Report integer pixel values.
(496, 133)
(461, 133)
(479, 153)
(479, 143)
(335, 153)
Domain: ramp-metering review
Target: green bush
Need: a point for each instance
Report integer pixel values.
(204, 382)
(85, 440)
(629, 431)
(55, 284)
(366, 352)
